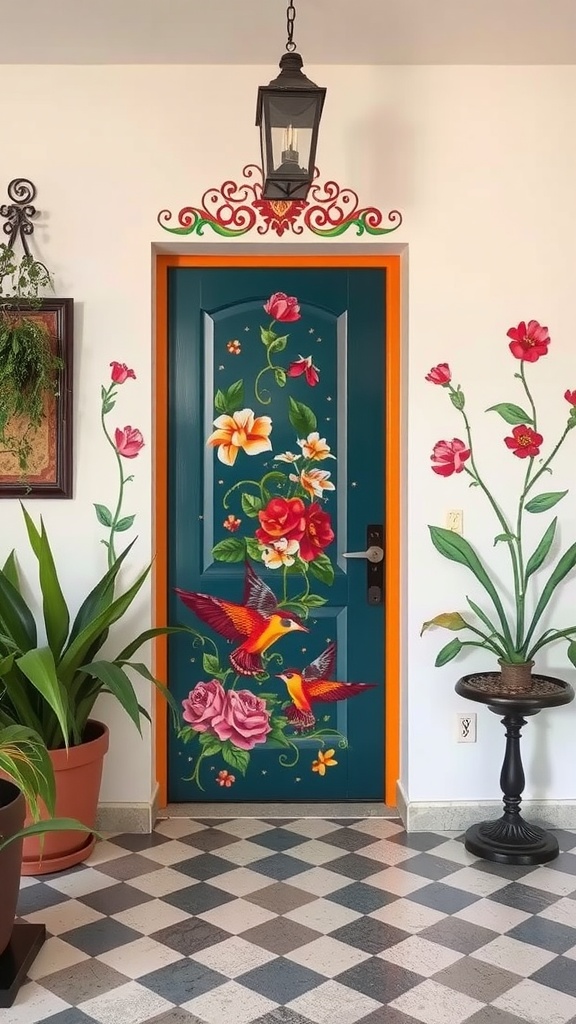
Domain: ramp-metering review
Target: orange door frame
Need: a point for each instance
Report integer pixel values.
(393, 492)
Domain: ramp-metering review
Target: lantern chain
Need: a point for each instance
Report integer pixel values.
(290, 19)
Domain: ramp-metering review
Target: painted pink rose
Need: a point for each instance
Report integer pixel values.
(129, 442)
(282, 307)
(120, 373)
(245, 720)
(204, 703)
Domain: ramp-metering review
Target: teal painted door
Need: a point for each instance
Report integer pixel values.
(276, 468)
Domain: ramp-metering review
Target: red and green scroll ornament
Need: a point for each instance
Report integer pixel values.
(235, 209)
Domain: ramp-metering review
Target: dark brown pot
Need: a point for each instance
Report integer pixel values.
(516, 678)
(12, 814)
(78, 774)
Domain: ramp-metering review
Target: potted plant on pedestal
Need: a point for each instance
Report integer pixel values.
(26, 780)
(514, 633)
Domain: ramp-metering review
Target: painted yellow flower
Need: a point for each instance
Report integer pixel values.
(315, 447)
(281, 552)
(240, 432)
(314, 481)
(325, 760)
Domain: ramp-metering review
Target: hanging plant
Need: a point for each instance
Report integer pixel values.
(28, 366)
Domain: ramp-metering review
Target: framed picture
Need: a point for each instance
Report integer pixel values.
(50, 468)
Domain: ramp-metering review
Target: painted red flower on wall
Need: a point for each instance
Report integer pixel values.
(279, 214)
(129, 442)
(440, 374)
(525, 442)
(121, 372)
(570, 396)
(529, 341)
(449, 457)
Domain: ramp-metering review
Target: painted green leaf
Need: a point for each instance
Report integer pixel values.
(297, 607)
(235, 397)
(103, 515)
(279, 344)
(229, 550)
(251, 505)
(457, 549)
(450, 651)
(236, 758)
(301, 417)
(280, 376)
(266, 337)
(511, 413)
(446, 620)
(564, 566)
(313, 601)
(571, 652)
(505, 537)
(253, 549)
(322, 569)
(210, 744)
(124, 524)
(108, 406)
(541, 552)
(457, 399)
(211, 664)
(220, 401)
(543, 502)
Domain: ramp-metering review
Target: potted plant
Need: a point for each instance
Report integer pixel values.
(52, 687)
(26, 780)
(514, 632)
(28, 365)
(513, 635)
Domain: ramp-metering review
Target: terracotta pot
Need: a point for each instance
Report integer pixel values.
(12, 813)
(78, 774)
(516, 678)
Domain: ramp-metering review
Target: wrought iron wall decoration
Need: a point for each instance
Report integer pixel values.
(35, 363)
(234, 209)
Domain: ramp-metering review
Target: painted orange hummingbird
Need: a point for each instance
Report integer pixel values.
(314, 684)
(257, 623)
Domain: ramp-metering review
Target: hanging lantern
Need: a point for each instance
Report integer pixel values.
(288, 114)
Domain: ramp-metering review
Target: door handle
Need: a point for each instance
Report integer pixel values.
(374, 558)
(372, 554)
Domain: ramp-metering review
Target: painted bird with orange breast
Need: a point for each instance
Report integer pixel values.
(314, 684)
(255, 624)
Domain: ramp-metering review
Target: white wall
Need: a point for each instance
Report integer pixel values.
(480, 161)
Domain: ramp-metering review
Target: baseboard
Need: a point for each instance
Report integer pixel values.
(368, 809)
(128, 817)
(458, 815)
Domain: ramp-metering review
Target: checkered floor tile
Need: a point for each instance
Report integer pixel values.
(308, 921)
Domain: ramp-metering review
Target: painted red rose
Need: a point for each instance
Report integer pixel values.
(440, 374)
(449, 457)
(282, 518)
(529, 341)
(525, 442)
(318, 533)
(570, 396)
(129, 442)
(245, 720)
(120, 373)
(282, 307)
(304, 366)
(204, 703)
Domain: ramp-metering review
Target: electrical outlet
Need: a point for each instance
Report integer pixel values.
(455, 521)
(466, 726)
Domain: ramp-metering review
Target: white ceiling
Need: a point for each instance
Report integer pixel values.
(253, 31)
